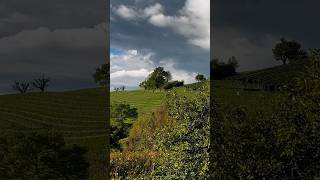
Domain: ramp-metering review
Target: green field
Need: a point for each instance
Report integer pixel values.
(145, 101)
(81, 116)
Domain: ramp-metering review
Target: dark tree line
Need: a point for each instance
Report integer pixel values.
(221, 70)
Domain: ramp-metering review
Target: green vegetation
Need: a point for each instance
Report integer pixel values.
(144, 100)
(177, 133)
(288, 51)
(261, 134)
(200, 77)
(101, 76)
(80, 116)
(41, 156)
(270, 79)
(221, 70)
(157, 79)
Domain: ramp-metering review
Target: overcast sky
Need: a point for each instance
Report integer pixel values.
(150, 33)
(65, 39)
(248, 29)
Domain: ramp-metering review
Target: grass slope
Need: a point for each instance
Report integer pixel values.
(80, 116)
(230, 93)
(277, 75)
(144, 100)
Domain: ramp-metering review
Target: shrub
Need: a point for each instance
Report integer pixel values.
(132, 164)
(122, 111)
(141, 135)
(184, 141)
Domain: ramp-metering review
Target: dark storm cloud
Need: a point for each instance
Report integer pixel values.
(17, 15)
(137, 32)
(66, 40)
(258, 24)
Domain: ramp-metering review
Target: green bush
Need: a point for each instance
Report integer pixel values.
(132, 164)
(183, 143)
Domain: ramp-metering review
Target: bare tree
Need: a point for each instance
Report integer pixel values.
(41, 83)
(22, 87)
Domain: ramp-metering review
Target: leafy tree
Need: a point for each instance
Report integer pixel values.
(101, 76)
(41, 156)
(157, 79)
(22, 87)
(288, 51)
(200, 77)
(41, 83)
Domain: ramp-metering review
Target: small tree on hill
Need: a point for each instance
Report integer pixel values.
(288, 51)
(22, 87)
(157, 79)
(101, 76)
(200, 78)
(41, 83)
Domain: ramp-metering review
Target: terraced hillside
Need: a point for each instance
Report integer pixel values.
(80, 116)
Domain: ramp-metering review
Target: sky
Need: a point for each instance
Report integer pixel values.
(64, 39)
(248, 29)
(174, 34)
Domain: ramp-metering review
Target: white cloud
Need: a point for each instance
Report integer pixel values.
(178, 74)
(153, 10)
(126, 12)
(192, 21)
(132, 67)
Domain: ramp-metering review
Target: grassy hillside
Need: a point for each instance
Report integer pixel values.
(145, 101)
(276, 76)
(80, 116)
(230, 93)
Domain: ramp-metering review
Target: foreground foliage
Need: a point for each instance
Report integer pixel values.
(163, 145)
(280, 145)
(41, 156)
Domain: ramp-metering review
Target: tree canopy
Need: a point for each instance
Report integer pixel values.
(288, 51)
(157, 79)
(101, 76)
(41, 83)
(200, 77)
